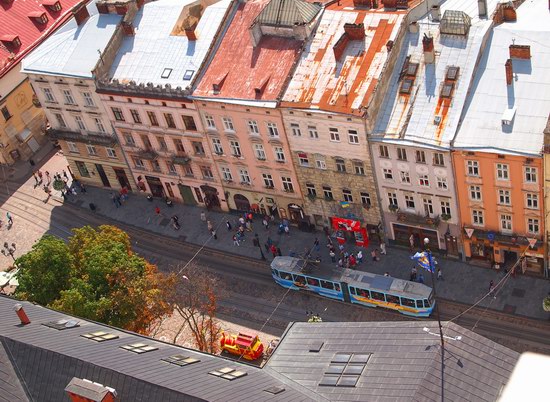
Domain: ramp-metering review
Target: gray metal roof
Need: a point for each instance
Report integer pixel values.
(403, 361)
(11, 389)
(288, 13)
(48, 359)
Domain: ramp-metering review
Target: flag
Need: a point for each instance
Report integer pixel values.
(423, 261)
(344, 204)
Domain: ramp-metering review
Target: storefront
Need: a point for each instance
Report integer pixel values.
(346, 229)
(402, 234)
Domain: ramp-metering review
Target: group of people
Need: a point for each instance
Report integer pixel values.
(120, 198)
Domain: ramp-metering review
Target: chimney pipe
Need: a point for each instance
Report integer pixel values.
(190, 33)
(428, 46)
(509, 72)
(81, 15)
(18, 308)
(482, 8)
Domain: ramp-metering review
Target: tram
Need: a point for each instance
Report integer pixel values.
(356, 287)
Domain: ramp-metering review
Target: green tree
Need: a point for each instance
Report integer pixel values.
(44, 271)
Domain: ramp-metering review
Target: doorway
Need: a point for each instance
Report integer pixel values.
(102, 175)
(510, 258)
(33, 145)
(241, 203)
(187, 195)
(296, 213)
(122, 178)
(211, 198)
(451, 244)
(157, 190)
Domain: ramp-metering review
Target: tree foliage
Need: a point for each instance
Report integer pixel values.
(105, 280)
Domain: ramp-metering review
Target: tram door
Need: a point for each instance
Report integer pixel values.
(345, 292)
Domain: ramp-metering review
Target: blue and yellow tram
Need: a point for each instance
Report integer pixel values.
(357, 287)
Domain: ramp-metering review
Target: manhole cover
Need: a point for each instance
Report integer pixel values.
(517, 292)
(509, 309)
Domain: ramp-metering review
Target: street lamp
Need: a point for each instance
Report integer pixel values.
(9, 250)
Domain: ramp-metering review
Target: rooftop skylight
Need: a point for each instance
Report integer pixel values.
(228, 373)
(100, 336)
(139, 348)
(344, 370)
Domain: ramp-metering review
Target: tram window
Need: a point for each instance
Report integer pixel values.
(327, 285)
(274, 272)
(378, 296)
(299, 279)
(337, 287)
(363, 293)
(285, 275)
(408, 302)
(419, 304)
(392, 299)
(426, 303)
(313, 281)
(352, 290)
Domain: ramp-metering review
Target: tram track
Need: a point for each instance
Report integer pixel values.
(532, 334)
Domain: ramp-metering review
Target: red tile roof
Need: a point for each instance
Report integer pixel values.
(16, 19)
(238, 68)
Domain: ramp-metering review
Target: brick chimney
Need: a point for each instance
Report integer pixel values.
(81, 15)
(520, 52)
(128, 28)
(82, 390)
(340, 46)
(389, 3)
(509, 12)
(428, 46)
(509, 72)
(364, 3)
(189, 26)
(355, 31)
(18, 308)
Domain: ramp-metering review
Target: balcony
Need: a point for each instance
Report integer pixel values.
(409, 217)
(147, 154)
(180, 158)
(76, 136)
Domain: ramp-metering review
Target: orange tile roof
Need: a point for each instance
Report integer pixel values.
(238, 68)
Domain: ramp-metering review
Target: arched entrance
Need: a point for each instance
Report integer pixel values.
(241, 202)
(296, 212)
(211, 198)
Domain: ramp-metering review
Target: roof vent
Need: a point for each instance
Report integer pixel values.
(437, 120)
(82, 390)
(435, 12)
(508, 116)
(18, 308)
(61, 325)
(315, 347)
(455, 23)
(274, 390)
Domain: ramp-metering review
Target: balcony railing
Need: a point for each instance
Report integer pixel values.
(147, 154)
(419, 219)
(180, 158)
(88, 138)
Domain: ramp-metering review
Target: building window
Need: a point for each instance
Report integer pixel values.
(162, 144)
(388, 174)
(146, 142)
(217, 145)
(228, 124)
(88, 100)
(259, 152)
(135, 116)
(99, 125)
(178, 145)
(210, 123)
(268, 180)
(502, 171)
(423, 180)
(129, 140)
(327, 193)
(91, 150)
(340, 165)
(428, 206)
(245, 177)
(532, 201)
(384, 153)
(359, 168)
(365, 199)
(442, 183)
(82, 169)
(287, 184)
(420, 156)
(279, 154)
(477, 217)
(303, 160)
(272, 130)
(68, 97)
(156, 166)
(533, 225)
(206, 172)
(503, 197)
(475, 193)
(409, 202)
(402, 154)
(48, 95)
(311, 191)
(117, 113)
(198, 148)
(171, 168)
(446, 208)
(235, 148)
(506, 223)
(405, 177)
(347, 195)
(189, 123)
(72, 147)
(312, 130)
(153, 118)
(138, 163)
(334, 134)
(169, 120)
(60, 120)
(80, 123)
(111, 153)
(253, 127)
(530, 174)
(472, 168)
(392, 199)
(295, 127)
(321, 164)
(353, 137)
(226, 174)
(439, 160)
(188, 169)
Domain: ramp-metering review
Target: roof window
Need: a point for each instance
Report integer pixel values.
(345, 369)
(315, 347)
(447, 90)
(188, 75)
(139, 348)
(38, 16)
(53, 5)
(100, 336)
(180, 360)
(60, 325)
(10, 40)
(452, 73)
(228, 373)
(166, 73)
(406, 86)
(455, 23)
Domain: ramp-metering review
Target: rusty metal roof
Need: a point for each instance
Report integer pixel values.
(341, 66)
(288, 13)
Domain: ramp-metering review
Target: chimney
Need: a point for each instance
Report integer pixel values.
(355, 31)
(189, 25)
(102, 8)
(121, 9)
(18, 308)
(482, 8)
(520, 52)
(81, 15)
(509, 72)
(190, 33)
(362, 3)
(428, 46)
(389, 45)
(340, 46)
(389, 3)
(509, 12)
(82, 390)
(128, 28)
(435, 13)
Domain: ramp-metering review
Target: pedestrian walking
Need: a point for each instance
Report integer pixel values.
(411, 242)
(421, 278)
(383, 248)
(413, 274)
(360, 257)
(40, 176)
(176, 222)
(332, 256)
(209, 226)
(235, 241)
(316, 245)
(374, 255)
(256, 240)
(352, 261)
(36, 182)
(214, 235)
(228, 224)
(203, 216)
(248, 225)
(115, 200)
(273, 250)
(65, 175)
(9, 218)
(287, 230)
(157, 210)
(491, 286)
(82, 188)
(265, 222)
(341, 248)
(340, 263)
(279, 253)
(439, 274)
(241, 221)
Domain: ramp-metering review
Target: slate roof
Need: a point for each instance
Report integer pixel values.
(403, 361)
(48, 359)
(288, 13)
(11, 389)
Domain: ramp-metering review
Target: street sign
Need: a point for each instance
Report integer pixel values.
(532, 242)
(469, 232)
(491, 236)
